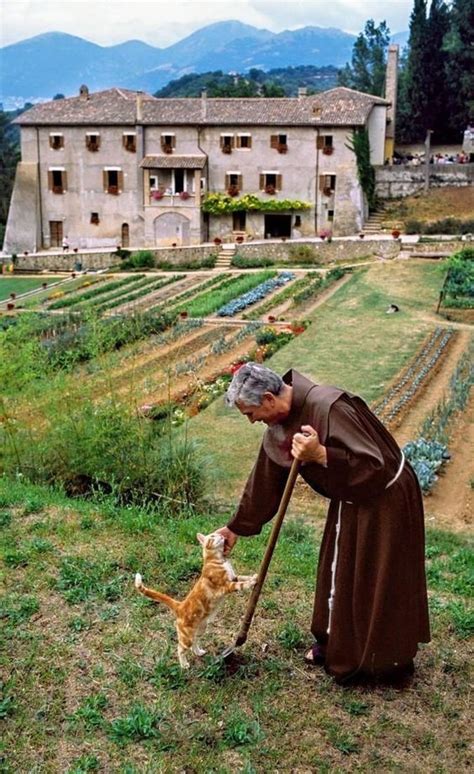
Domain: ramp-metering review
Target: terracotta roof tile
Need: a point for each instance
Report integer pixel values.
(336, 107)
(173, 161)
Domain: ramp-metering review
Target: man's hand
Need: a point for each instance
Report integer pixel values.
(306, 446)
(230, 539)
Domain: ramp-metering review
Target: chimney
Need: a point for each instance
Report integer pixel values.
(302, 92)
(139, 118)
(204, 104)
(84, 92)
(391, 82)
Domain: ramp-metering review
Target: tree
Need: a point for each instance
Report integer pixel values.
(413, 101)
(9, 157)
(437, 88)
(460, 68)
(367, 70)
(59, 96)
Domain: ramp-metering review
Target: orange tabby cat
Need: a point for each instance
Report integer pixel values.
(200, 606)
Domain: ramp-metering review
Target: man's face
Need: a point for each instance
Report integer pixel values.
(268, 412)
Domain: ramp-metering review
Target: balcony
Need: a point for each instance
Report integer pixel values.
(169, 199)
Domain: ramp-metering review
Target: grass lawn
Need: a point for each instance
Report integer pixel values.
(90, 675)
(351, 342)
(22, 284)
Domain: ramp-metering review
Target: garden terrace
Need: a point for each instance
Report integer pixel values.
(107, 287)
(210, 301)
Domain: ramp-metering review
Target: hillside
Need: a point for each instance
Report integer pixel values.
(39, 67)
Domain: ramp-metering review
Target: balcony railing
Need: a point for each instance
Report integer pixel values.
(166, 199)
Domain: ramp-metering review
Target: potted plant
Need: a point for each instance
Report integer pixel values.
(183, 315)
(184, 195)
(282, 147)
(239, 240)
(13, 295)
(233, 190)
(395, 233)
(217, 240)
(167, 148)
(270, 189)
(157, 195)
(361, 235)
(226, 149)
(328, 150)
(44, 285)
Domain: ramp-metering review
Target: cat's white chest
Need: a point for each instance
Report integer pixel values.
(229, 570)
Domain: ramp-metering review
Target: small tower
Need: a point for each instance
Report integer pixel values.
(391, 84)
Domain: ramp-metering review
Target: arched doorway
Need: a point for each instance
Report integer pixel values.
(171, 227)
(125, 237)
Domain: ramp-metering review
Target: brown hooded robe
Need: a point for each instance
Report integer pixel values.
(371, 565)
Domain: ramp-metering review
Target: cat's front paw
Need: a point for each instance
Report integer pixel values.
(138, 581)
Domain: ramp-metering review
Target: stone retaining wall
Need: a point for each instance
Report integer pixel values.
(324, 252)
(38, 262)
(391, 182)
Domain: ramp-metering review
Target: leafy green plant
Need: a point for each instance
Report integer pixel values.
(360, 146)
(240, 729)
(250, 262)
(208, 302)
(140, 723)
(81, 579)
(84, 764)
(222, 204)
(103, 289)
(91, 712)
(291, 636)
(143, 259)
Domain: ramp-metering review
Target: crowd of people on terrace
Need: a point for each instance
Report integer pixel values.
(417, 159)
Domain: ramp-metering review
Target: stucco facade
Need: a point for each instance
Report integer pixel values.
(124, 168)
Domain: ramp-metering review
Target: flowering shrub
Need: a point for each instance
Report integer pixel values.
(184, 195)
(157, 195)
(325, 233)
(222, 204)
(254, 295)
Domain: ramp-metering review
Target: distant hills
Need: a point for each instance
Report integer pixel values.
(40, 67)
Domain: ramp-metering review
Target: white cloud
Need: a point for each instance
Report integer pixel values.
(163, 22)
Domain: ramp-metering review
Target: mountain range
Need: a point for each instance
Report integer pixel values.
(37, 68)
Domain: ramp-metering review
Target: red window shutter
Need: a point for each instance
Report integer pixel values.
(262, 182)
(320, 142)
(64, 180)
(274, 141)
(279, 182)
(105, 180)
(322, 182)
(249, 142)
(120, 181)
(173, 141)
(50, 181)
(227, 181)
(239, 182)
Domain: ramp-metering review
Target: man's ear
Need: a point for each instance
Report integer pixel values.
(201, 538)
(269, 397)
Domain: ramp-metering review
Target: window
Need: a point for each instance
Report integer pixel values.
(279, 142)
(324, 142)
(130, 141)
(92, 141)
(239, 220)
(327, 184)
(244, 141)
(57, 180)
(233, 183)
(56, 233)
(168, 142)
(95, 218)
(330, 214)
(227, 143)
(56, 141)
(270, 182)
(154, 183)
(113, 180)
(297, 221)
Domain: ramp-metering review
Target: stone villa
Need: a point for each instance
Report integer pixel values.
(122, 167)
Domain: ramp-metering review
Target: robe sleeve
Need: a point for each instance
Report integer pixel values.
(356, 469)
(261, 497)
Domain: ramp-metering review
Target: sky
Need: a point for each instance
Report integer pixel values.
(163, 22)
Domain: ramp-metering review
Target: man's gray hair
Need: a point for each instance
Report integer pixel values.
(250, 383)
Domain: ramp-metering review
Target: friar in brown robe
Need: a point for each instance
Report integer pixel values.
(370, 609)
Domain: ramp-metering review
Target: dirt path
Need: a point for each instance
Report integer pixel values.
(435, 389)
(451, 505)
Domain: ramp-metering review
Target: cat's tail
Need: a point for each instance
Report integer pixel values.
(156, 596)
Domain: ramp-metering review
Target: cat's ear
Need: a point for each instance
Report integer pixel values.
(201, 538)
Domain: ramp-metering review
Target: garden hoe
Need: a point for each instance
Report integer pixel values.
(247, 620)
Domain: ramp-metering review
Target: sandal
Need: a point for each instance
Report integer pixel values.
(316, 656)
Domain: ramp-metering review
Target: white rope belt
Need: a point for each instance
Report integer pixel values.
(332, 593)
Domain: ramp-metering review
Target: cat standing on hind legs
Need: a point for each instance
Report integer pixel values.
(217, 579)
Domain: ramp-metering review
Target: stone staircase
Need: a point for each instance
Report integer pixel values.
(373, 224)
(225, 256)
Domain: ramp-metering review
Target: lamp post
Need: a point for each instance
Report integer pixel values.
(429, 132)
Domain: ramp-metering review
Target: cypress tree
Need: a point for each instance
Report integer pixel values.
(437, 87)
(460, 69)
(414, 99)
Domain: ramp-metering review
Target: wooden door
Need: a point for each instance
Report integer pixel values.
(56, 233)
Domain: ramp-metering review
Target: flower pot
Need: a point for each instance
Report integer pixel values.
(361, 236)
(10, 306)
(73, 274)
(183, 315)
(44, 285)
(395, 233)
(217, 241)
(239, 240)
